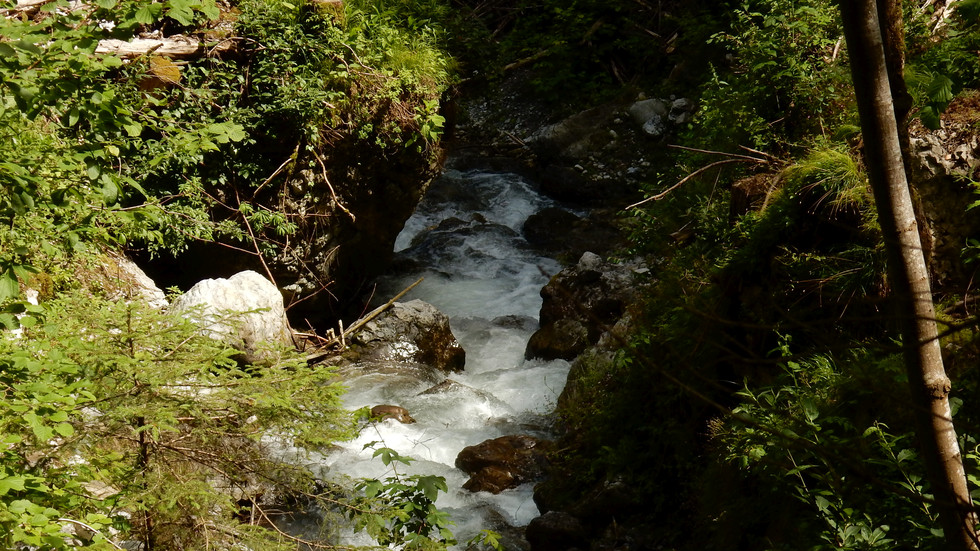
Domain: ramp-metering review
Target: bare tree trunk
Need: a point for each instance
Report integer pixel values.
(908, 274)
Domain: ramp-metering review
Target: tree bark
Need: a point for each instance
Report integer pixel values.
(908, 274)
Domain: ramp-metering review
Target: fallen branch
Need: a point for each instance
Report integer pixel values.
(28, 7)
(726, 154)
(684, 180)
(530, 59)
(91, 529)
(356, 326)
(178, 46)
(733, 158)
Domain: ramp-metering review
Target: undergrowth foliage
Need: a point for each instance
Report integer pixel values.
(129, 421)
(157, 155)
(122, 423)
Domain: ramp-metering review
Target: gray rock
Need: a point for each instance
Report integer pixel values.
(589, 261)
(644, 110)
(655, 127)
(124, 280)
(943, 165)
(593, 294)
(411, 332)
(244, 311)
(575, 137)
(680, 111)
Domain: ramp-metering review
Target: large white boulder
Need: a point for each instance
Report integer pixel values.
(244, 311)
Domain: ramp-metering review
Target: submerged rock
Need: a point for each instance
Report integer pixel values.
(555, 531)
(397, 413)
(562, 340)
(244, 311)
(501, 463)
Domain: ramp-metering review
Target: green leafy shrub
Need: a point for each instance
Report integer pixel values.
(861, 485)
(118, 416)
(400, 510)
(784, 80)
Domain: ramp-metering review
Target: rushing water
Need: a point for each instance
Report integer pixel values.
(465, 241)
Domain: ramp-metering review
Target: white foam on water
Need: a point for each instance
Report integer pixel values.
(489, 284)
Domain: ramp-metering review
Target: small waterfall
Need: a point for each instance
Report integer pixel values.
(465, 241)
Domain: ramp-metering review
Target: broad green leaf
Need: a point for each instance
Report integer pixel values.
(940, 90)
(41, 431)
(210, 10)
(93, 170)
(73, 116)
(372, 488)
(929, 116)
(64, 429)
(28, 321)
(15, 483)
(29, 47)
(181, 11)
(133, 129)
(810, 409)
(149, 13)
(9, 287)
(9, 321)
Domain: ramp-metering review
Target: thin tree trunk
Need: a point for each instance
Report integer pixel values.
(908, 274)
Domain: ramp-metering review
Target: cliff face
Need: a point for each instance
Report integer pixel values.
(337, 138)
(347, 228)
(945, 164)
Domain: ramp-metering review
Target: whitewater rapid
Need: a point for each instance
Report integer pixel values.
(465, 241)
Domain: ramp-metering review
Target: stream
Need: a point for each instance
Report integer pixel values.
(465, 241)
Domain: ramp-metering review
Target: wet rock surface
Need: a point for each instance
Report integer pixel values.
(559, 231)
(945, 162)
(412, 332)
(555, 531)
(562, 339)
(598, 156)
(501, 463)
(386, 411)
(580, 303)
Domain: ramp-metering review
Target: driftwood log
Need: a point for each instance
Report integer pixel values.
(173, 47)
(177, 46)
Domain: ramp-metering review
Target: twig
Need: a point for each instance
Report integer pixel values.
(359, 323)
(374, 313)
(255, 242)
(278, 170)
(530, 59)
(309, 543)
(91, 528)
(840, 42)
(770, 158)
(517, 140)
(332, 192)
(733, 155)
(666, 192)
